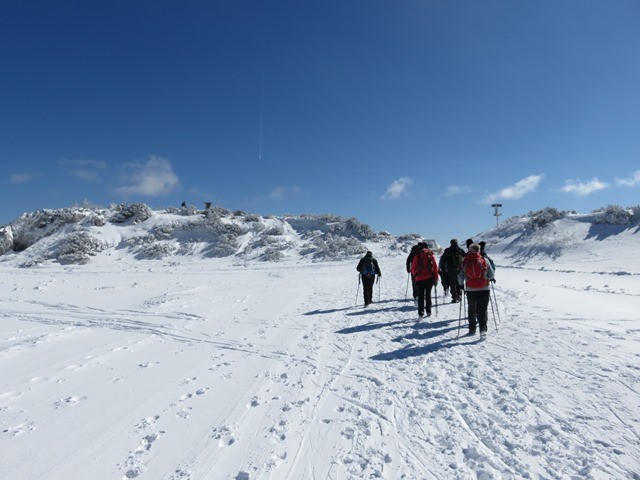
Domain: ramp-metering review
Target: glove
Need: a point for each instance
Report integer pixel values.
(493, 280)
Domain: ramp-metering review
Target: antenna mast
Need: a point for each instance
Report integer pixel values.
(496, 213)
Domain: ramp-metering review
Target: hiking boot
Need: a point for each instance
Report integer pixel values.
(472, 331)
(455, 300)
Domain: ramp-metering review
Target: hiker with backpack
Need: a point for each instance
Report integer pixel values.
(468, 243)
(452, 259)
(444, 278)
(485, 255)
(414, 251)
(425, 270)
(476, 273)
(368, 268)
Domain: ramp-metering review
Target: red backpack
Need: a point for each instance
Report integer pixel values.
(475, 270)
(424, 264)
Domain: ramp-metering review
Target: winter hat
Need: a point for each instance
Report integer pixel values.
(454, 241)
(369, 254)
(469, 242)
(474, 247)
(482, 244)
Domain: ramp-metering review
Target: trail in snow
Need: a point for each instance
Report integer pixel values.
(275, 373)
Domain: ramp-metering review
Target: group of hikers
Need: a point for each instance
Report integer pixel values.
(471, 271)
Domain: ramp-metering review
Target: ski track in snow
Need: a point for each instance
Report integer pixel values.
(289, 380)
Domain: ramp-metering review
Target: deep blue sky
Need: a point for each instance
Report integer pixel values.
(412, 116)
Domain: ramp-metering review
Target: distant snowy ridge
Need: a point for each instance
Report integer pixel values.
(550, 238)
(546, 238)
(75, 235)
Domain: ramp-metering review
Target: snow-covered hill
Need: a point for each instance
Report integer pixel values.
(200, 366)
(547, 238)
(76, 235)
(603, 240)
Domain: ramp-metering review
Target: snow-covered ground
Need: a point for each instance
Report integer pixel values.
(209, 368)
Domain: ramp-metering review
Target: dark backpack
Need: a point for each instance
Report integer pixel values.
(368, 268)
(424, 264)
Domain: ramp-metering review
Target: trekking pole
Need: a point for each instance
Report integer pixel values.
(406, 292)
(378, 288)
(493, 312)
(435, 294)
(464, 301)
(358, 290)
(496, 300)
(459, 318)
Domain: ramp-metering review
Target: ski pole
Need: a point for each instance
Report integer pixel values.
(406, 292)
(435, 294)
(459, 318)
(358, 290)
(493, 312)
(378, 288)
(496, 300)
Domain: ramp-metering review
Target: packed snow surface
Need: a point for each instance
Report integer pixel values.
(211, 368)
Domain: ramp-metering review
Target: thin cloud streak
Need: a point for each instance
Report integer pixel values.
(455, 190)
(632, 181)
(517, 190)
(86, 170)
(398, 188)
(153, 178)
(20, 178)
(583, 189)
(280, 193)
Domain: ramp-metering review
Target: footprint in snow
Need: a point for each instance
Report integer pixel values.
(148, 423)
(224, 436)
(71, 400)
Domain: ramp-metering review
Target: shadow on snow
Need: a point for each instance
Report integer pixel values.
(361, 310)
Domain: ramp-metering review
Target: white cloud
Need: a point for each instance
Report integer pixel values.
(87, 170)
(18, 178)
(631, 181)
(153, 178)
(279, 193)
(457, 190)
(517, 190)
(397, 188)
(582, 189)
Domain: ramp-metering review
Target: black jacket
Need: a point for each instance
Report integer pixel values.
(414, 251)
(452, 258)
(373, 260)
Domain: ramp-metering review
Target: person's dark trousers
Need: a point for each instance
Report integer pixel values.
(454, 288)
(413, 286)
(424, 295)
(367, 288)
(478, 303)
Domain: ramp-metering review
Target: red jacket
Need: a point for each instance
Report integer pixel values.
(431, 270)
